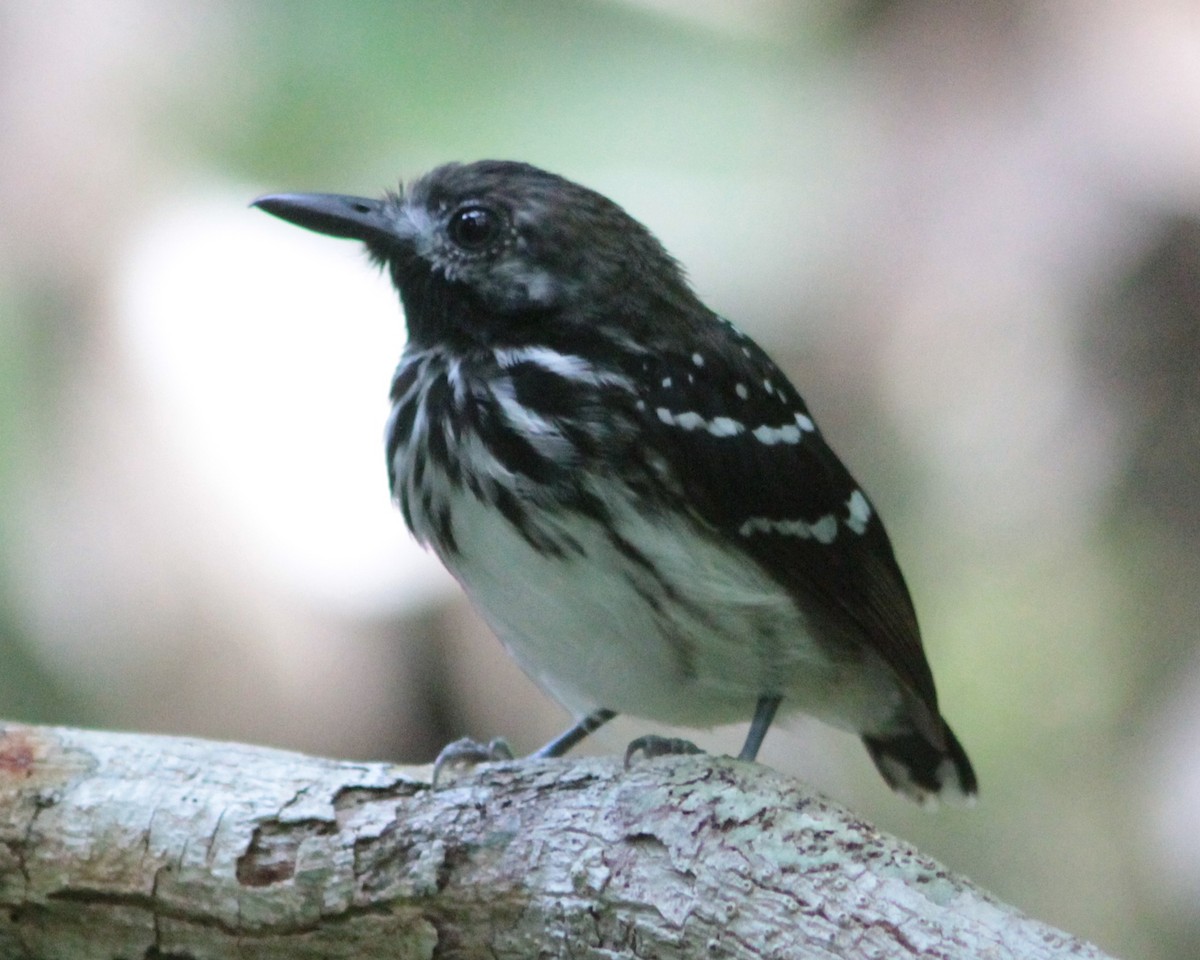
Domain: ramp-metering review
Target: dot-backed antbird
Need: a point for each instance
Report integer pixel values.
(630, 491)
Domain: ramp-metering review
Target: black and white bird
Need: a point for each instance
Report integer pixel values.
(629, 490)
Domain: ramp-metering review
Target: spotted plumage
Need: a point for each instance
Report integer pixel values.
(631, 492)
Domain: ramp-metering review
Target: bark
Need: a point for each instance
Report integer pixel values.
(119, 845)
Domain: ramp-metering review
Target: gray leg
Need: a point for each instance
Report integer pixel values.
(467, 752)
(764, 713)
(564, 742)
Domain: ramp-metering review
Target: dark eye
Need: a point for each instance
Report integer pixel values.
(473, 228)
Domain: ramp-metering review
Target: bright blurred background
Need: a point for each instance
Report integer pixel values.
(971, 232)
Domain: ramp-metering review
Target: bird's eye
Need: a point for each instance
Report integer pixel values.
(473, 228)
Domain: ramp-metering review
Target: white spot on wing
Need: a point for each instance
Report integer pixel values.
(742, 391)
(690, 420)
(697, 360)
(724, 427)
(859, 512)
(823, 530)
(770, 436)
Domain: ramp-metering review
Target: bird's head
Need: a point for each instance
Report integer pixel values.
(482, 251)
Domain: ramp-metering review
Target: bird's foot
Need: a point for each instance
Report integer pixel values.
(467, 753)
(654, 746)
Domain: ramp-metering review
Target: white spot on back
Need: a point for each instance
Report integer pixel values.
(697, 360)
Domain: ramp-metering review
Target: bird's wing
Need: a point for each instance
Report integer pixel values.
(753, 465)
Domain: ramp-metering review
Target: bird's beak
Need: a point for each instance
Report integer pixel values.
(354, 218)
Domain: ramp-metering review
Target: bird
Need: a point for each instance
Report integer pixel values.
(630, 492)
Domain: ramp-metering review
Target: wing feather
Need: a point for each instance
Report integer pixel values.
(755, 467)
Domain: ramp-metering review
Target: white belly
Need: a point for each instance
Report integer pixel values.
(581, 627)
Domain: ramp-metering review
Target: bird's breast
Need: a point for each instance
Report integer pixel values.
(604, 596)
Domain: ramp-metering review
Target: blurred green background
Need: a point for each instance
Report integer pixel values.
(971, 232)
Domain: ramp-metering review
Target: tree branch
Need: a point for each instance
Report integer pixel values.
(119, 845)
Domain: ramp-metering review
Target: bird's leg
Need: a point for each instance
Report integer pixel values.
(565, 741)
(655, 746)
(764, 713)
(467, 752)
(652, 745)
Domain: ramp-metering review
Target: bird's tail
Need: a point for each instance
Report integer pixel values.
(924, 771)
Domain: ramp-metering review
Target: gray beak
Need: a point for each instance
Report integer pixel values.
(354, 218)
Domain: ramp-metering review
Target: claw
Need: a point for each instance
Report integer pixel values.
(654, 746)
(467, 753)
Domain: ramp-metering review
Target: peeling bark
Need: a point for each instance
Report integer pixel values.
(120, 845)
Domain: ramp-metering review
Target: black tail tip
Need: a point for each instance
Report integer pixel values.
(923, 772)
